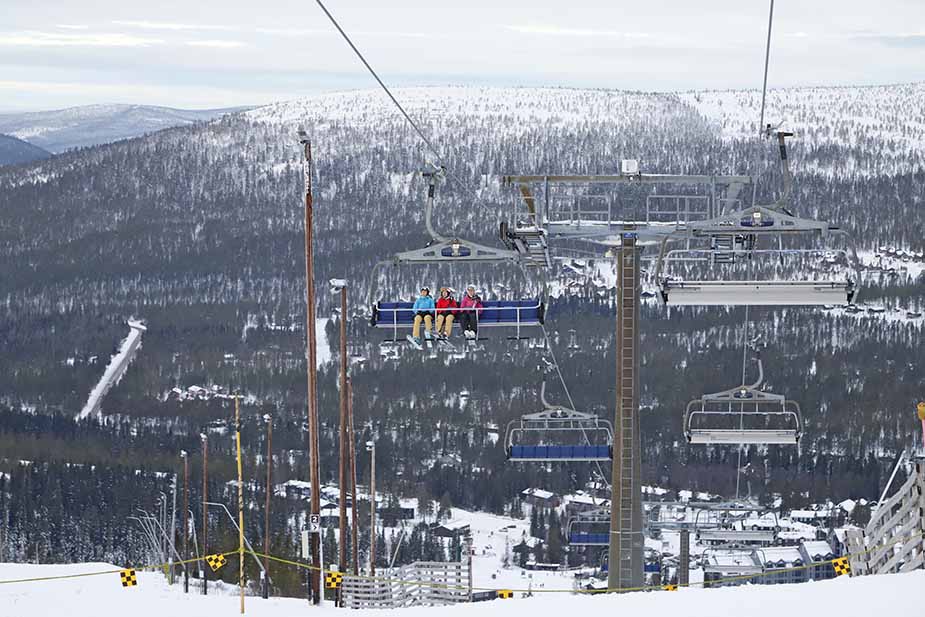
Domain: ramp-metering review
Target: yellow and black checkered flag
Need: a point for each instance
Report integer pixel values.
(128, 578)
(670, 587)
(505, 594)
(332, 580)
(215, 561)
(841, 566)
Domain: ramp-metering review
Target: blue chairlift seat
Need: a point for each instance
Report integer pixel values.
(565, 426)
(561, 453)
(496, 313)
(588, 539)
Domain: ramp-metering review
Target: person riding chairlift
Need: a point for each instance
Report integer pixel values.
(446, 312)
(423, 311)
(471, 306)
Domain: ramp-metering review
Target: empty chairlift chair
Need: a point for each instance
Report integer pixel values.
(559, 434)
(746, 244)
(743, 415)
(732, 253)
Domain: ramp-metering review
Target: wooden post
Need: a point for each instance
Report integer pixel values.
(186, 565)
(920, 411)
(354, 519)
(237, 431)
(342, 450)
(266, 510)
(372, 508)
(205, 510)
(311, 357)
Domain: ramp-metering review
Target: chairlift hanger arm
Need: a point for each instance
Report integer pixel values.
(734, 395)
(562, 415)
(757, 220)
(432, 177)
(445, 249)
(455, 250)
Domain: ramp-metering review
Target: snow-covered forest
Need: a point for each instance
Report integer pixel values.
(198, 230)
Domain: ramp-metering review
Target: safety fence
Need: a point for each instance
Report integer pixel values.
(874, 549)
(423, 583)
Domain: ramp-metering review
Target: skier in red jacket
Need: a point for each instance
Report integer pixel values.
(446, 312)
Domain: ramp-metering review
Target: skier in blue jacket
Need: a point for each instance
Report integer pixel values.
(424, 309)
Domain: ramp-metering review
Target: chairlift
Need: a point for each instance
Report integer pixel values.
(590, 528)
(736, 537)
(733, 530)
(734, 238)
(517, 314)
(743, 415)
(741, 251)
(559, 434)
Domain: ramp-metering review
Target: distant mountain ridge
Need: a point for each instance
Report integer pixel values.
(15, 151)
(90, 125)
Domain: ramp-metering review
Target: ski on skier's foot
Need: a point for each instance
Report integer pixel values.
(445, 343)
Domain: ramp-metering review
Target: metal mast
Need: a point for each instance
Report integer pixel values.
(311, 357)
(625, 552)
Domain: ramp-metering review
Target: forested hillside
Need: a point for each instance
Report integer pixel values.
(198, 230)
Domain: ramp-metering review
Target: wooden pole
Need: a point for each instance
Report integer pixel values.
(205, 510)
(185, 457)
(311, 357)
(342, 450)
(237, 431)
(266, 515)
(354, 519)
(920, 411)
(372, 509)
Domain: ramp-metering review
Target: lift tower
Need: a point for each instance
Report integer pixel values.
(588, 208)
(626, 541)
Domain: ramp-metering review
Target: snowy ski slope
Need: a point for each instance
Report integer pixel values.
(104, 596)
(115, 369)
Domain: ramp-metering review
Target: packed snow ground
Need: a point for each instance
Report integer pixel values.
(104, 596)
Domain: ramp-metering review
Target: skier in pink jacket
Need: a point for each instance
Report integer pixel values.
(471, 306)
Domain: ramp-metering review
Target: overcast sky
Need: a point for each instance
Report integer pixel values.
(218, 53)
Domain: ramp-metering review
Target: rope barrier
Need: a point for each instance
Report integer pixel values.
(435, 585)
(116, 571)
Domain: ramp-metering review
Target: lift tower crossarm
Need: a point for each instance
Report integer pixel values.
(646, 178)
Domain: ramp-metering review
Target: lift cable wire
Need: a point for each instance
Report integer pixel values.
(417, 129)
(571, 402)
(742, 404)
(764, 93)
(439, 160)
(761, 132)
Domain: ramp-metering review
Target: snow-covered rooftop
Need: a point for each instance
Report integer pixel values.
(538, 493)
